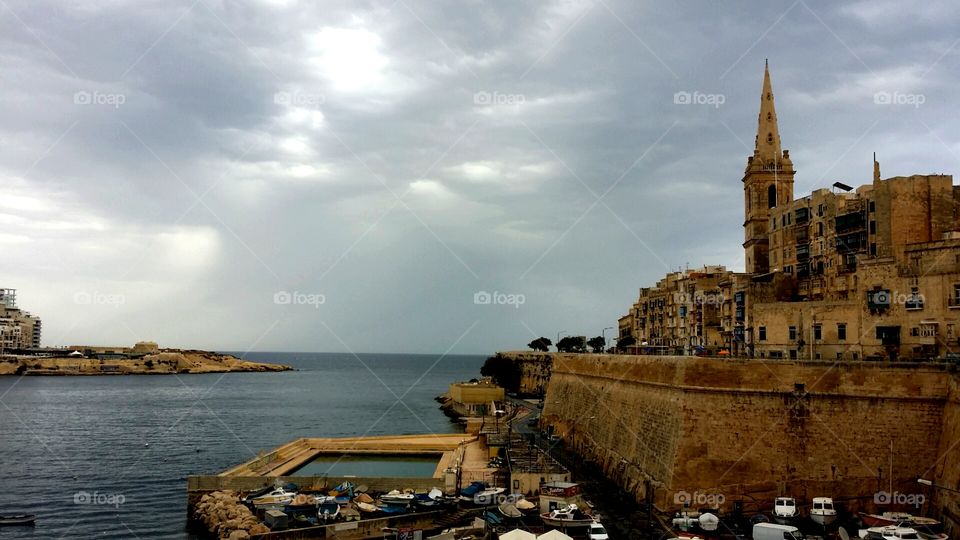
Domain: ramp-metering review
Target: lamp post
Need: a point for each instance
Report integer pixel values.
(558, 338)
(603, 334)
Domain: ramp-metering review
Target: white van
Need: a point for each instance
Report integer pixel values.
(773, 531)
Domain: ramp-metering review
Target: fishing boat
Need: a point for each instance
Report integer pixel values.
(393, 508)
(569, 516)
(785, 509)
(822, 512)
(19, 519)
(467, 493)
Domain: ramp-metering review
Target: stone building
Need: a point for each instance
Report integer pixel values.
(842, 273)
(475, 398)
(18, 329)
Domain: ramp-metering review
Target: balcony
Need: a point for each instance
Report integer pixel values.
(803, 252)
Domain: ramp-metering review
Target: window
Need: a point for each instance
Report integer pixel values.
(915, 300)
(873, 227)
(820, 228)
(873, 249)
(817, 332)
(841, 331)
(873, 206)
(771, 196)
(793, 354)
(793, 333)
(762, 333)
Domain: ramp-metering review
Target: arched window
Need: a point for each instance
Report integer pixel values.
(769, 116)
(771, 196)
(769, 138)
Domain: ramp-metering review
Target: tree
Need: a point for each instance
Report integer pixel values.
(597, 344)
(541, 344)
(576, 344)
(626, 341)
(503, 371)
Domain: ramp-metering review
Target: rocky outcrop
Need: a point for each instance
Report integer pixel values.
(165, 361)
(222, 513)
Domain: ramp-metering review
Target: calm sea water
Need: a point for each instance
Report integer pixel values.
(108, 457)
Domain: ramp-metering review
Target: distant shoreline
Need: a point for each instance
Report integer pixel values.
(164, 362)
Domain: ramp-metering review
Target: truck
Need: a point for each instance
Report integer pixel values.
(774, 531)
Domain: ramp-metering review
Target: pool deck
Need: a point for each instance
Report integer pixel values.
(450, 448)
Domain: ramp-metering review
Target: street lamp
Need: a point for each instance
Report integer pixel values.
(603, 334)
(558, 337)
(930, 483)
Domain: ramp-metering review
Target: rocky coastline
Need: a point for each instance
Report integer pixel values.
(162, 362)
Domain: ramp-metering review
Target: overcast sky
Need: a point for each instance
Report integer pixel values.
(333, 176)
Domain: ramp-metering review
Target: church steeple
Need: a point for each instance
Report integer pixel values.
(767, 146)
(767, 184)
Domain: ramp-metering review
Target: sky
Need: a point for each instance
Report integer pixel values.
(424, 177)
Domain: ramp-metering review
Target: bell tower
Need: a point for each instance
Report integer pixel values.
(767, 182)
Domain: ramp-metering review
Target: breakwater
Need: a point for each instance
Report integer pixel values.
(723, 431)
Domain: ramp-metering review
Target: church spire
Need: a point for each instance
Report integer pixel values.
(767, 147)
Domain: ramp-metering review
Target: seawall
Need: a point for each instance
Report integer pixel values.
(725, 431)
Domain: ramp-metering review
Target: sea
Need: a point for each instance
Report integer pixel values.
(109, 456)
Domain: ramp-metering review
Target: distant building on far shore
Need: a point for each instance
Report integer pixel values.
(18, 329)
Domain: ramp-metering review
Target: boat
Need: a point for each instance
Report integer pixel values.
(393, 508)
(487, 497)
(366, 508)
(274, 500)
(785, 509)
(328, 509)
(349, 514)
(19, 519)
(525, 506)
(893, 518)
(889, 532)
(569, 516)
(597, 532)
(395, 497)
(468, 492)
(509, 510)
(708, 522)
(822, 512)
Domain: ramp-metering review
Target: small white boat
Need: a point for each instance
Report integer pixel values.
(396, 497)
(366, 508)
(708, 522)
(822, 512)
(889, 532)
(275, 499)
(567, 517)
(785, 509)
(487, 497)
(328, 509)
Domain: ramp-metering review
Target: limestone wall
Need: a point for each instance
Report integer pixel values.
(749, 430)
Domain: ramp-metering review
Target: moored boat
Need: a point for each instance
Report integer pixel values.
(785, 509)
(487, 497)
(19, 519)
(396, 497)
(274, 500)
(822, 511)
(889, 532)
(569, 516)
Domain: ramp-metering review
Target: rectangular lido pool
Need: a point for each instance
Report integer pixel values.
(389, 466)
